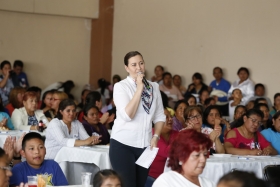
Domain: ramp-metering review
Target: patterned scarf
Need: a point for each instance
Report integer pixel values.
(147, 98)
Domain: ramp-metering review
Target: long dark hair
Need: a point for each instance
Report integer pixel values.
(92, 97)
(2, 108)
(63, 104)
(207, 112)
(275, 116)
(43, 105)
(102, 83)
(254, 111)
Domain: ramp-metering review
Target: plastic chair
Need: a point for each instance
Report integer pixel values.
(271, 172)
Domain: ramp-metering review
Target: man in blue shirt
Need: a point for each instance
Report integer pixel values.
(34, 151)
(221, 85)
(20, 75)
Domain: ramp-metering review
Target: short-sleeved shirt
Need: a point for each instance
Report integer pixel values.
(48, 167)
(273, 137)
(243, 143)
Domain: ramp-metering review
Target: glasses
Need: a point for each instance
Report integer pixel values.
(194, 117)
(7, 168)
(259, 123)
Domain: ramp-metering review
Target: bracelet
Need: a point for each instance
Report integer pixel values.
(157, 136)
(17, 158)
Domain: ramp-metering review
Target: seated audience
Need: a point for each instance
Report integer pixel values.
(167, 136)
(6, 82)
(240, 179)
(46, 105)
(159, 70)
(15, 99)
(272, 134)
(239, 111)
(187, 160)
(80, 106)
(193, 116)
(246, 139)
(5, 120)
(38, 91)
(116, 78)
(209, 101)
(66, 131)
(34, 151)
(276, 105)
(105, 94)
(266, 122)
(93, 126)
(170, 90)
(179, 119)
(57, 97)
(204, 94)
(197, 86)
(260, 93)
(236, 100)
(219, 84)
(94, 99)
(250, 105)
(177, 81)
(66, 87)
(107, 177)
(28, 117)
(5, 171)
(20, 75)
(244, 84)
(260, 100)
(191, 100)
(213, 117)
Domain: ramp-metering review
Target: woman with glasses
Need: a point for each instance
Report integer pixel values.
(57, 97)
(246, 139)
(193, 116)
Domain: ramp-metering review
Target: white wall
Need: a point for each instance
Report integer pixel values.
(188, 36)
(53, 48)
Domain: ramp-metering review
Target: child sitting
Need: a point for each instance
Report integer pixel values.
(237, 100)
(34, 151)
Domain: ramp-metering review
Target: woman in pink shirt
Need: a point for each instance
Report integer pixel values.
(166, 138)
(245, 139)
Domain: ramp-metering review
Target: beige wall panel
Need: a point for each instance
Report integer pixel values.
(188, 36)
(80, 8)
(17, 5)
(53, 48)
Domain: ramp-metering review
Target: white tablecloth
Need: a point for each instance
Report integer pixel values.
(217, 167)
(74, 160)
(16, 133)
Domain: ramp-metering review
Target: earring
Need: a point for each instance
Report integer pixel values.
(180, 163)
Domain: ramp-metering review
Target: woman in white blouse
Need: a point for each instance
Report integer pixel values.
(138, 106)
(28, 117)
(244, 84)
(65, 130)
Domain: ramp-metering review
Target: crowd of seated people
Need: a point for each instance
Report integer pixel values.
(237, 118)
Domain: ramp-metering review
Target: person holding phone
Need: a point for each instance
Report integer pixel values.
(138, 106)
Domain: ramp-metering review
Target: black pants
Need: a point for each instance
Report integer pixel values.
(123, 160)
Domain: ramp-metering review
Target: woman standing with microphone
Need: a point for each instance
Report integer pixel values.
(138, 106)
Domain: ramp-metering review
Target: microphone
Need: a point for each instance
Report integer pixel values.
(147, 85)
(145, 82)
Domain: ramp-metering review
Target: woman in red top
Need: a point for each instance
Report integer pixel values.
(245, 139)
(166, 138)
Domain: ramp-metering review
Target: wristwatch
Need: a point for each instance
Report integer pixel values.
(157, 136)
